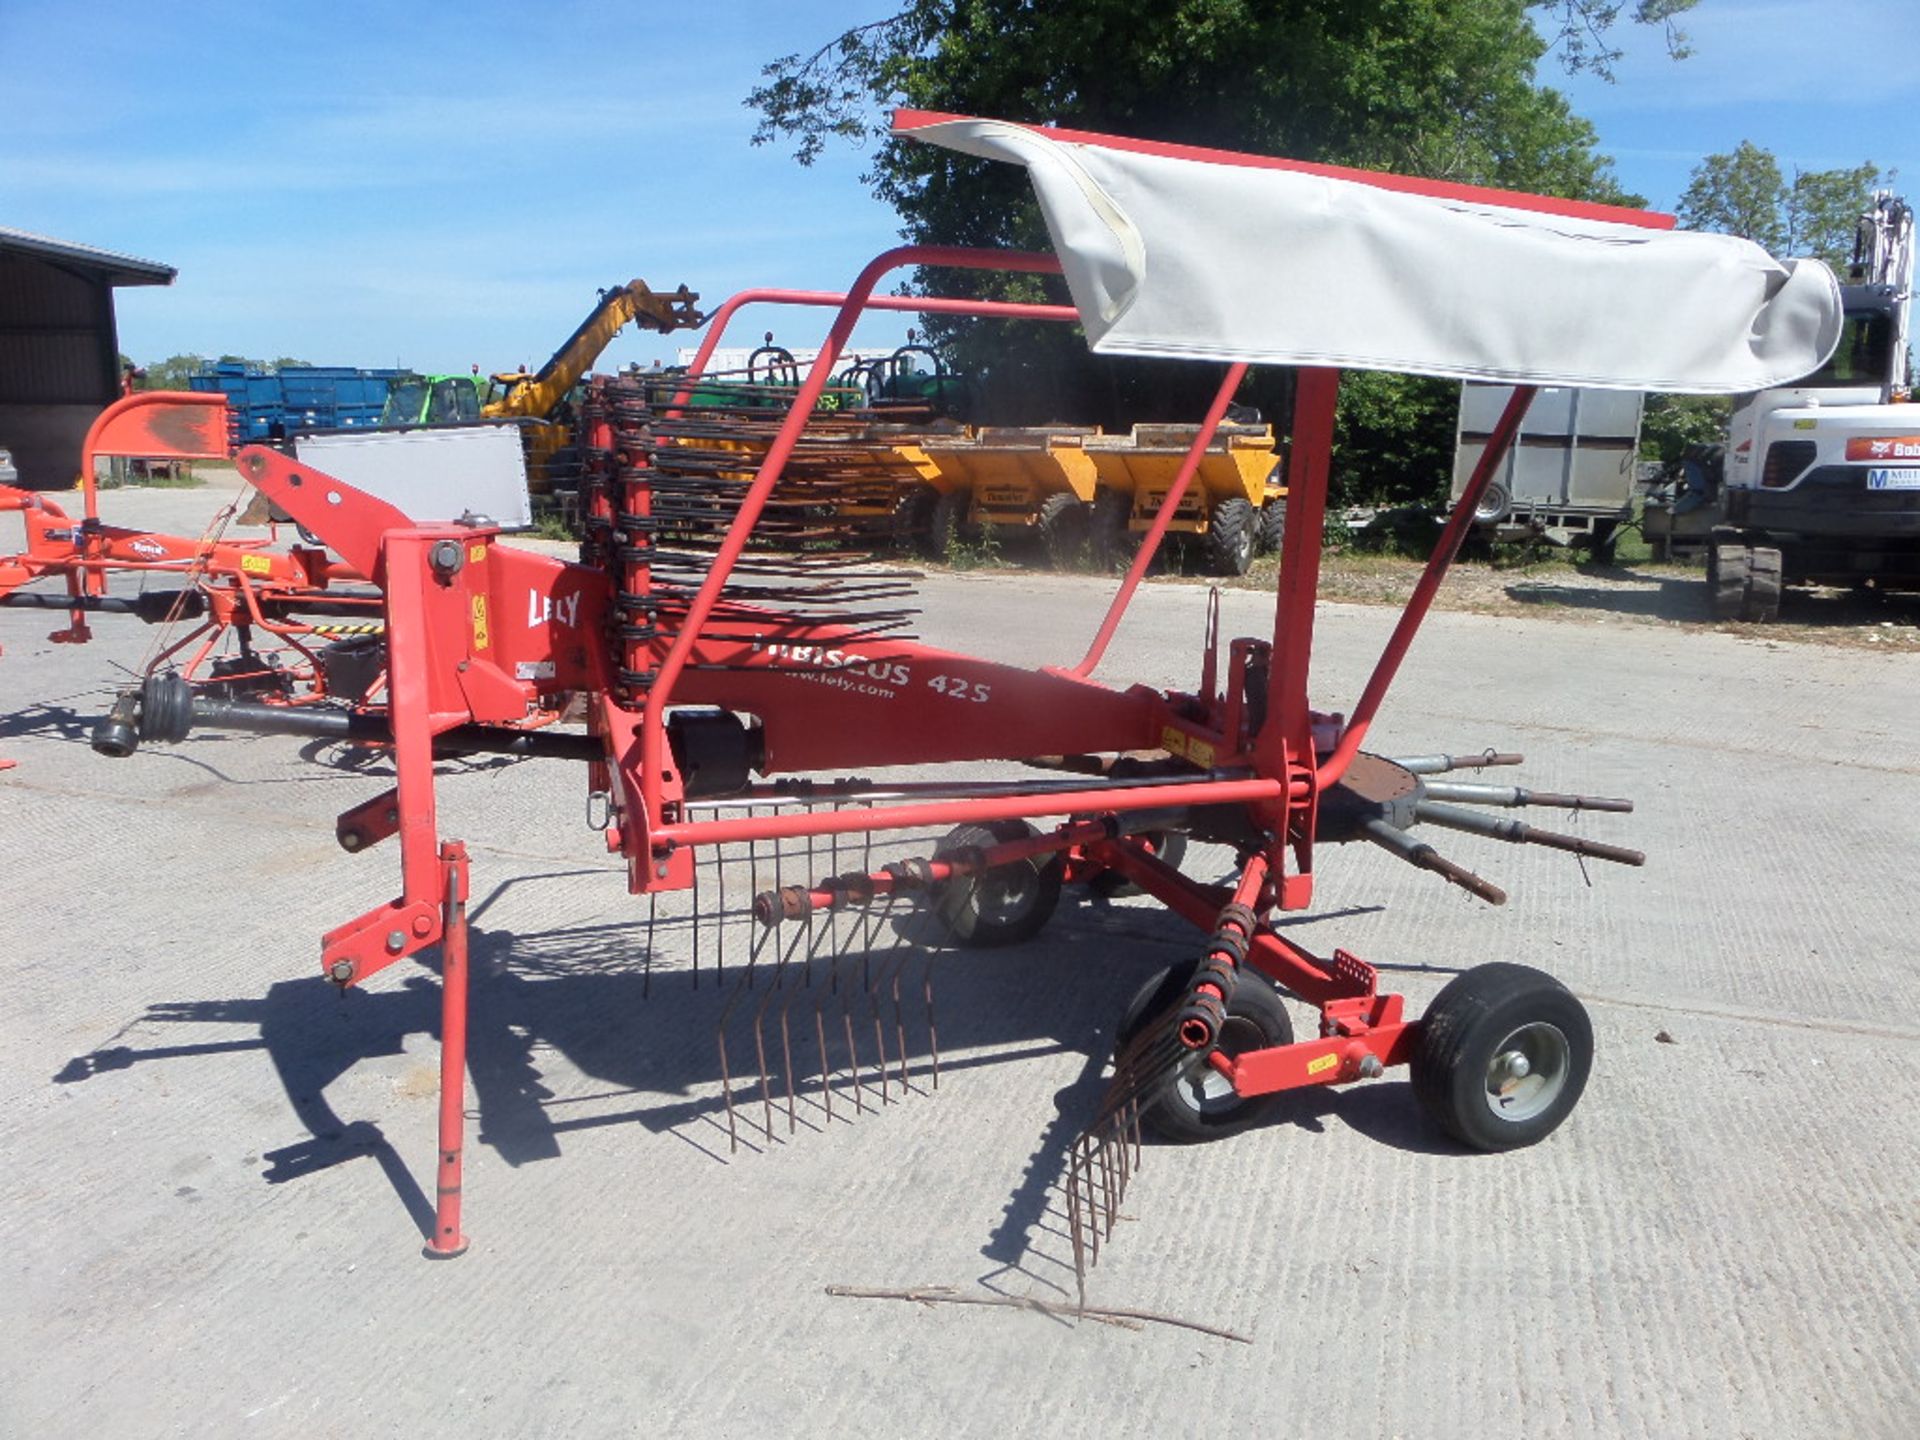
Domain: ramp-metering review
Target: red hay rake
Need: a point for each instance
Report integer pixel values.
(258, 615)
(715, 673)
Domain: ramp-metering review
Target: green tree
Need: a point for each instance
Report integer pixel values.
(1742, 194)
(1745, 193)
(1824, 206)
(172, 372)
(1439, 88)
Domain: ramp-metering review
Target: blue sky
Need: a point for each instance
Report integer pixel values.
(438, 185)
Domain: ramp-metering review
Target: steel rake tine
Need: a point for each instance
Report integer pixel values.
(720, 1035)
(646, 973)
(1094, 1228)
(759, 1039)
(720, 918)
(1075, 1221)
(1106, 1185)
(853, 1062)
(696, 927)
(820, 1038)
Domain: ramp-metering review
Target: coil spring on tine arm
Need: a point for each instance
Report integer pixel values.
(1211, 994)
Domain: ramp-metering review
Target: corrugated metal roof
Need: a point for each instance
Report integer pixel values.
(118, 269)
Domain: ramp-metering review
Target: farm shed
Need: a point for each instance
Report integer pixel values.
(59, 348)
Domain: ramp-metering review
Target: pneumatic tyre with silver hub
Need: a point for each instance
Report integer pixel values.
(1503, 1055)
(1196, 1102)
(1001, 906)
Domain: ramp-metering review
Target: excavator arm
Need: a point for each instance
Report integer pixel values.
(537, 396)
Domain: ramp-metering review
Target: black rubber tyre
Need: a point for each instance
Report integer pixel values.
(947, 521)
(1114, 545)
(1006, 905)
(1273, 527)
(1169, 847)
(912, 516)
(1502, 1056)
(1066, 529)
(1600, 542)
(1729, 568)
(1763, 585)
(1495, 504)
(1195, 1103)
(1230, 536)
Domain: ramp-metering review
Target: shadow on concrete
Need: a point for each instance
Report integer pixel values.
(837, 1027)
(1678, 595)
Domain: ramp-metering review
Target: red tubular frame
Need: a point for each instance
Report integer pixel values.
(1163, 517)
(653, 734)
(459, 653)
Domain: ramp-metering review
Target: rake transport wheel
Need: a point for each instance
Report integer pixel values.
(1196, 1102)
(1066, 528)
(1007, 904)
(1502, 1056)
(1230, 532)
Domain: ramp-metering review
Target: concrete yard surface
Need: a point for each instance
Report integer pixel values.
(216, 1167)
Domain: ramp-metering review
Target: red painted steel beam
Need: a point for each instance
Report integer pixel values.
(723, 315)
(1189, 467)
(1498, 443)
(960, 812)
(906, 121)
(653, 743)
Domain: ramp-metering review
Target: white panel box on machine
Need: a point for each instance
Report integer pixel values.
(477, 471)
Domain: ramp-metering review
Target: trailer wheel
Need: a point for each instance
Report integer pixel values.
(1114, 545)
(912, 516)
(947, 521)
(1502, 1056)
(1066, 527)
(1496, 503)
(1196, 1102)
(1169, 848)
(1006, 904)
(1230, 536)
(1273, 526)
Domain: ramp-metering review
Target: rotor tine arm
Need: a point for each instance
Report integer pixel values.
(1516, 832)
(1511, 796)
(1419, 853)
(1440, 764)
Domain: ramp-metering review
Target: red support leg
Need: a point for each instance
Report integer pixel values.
(448, 1239)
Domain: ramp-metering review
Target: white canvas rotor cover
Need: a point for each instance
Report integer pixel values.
(1176, 256)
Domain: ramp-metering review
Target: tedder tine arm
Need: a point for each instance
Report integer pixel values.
(1518, 832)
(1423, 855)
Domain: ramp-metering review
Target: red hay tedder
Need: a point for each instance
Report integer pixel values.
(731, 690)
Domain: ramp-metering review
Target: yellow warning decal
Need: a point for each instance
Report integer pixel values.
(257, 564)
(477, 553)
(480, 640)
(1322, 1065)
(1177, 742)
